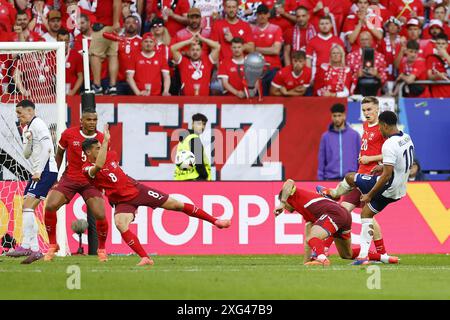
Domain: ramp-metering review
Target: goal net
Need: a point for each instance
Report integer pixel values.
(34, 71)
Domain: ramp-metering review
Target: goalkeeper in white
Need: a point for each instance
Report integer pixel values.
(40, 151)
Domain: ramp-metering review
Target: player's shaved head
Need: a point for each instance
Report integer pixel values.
(388, 117)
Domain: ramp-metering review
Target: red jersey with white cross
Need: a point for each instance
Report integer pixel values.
(128, 48)
(70, 142)
(239, 29)
(74, 66)
(266, 38)
(371, 143)
(7, 15)
(320, 48)
(195, 75)
(373, 21)
(288, 79)
(401, 8)
(112, 181)
(147, 71)
(233, 71)
(332, 79)
(301, 199)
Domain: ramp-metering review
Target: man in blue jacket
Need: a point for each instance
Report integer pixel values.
(339, 147)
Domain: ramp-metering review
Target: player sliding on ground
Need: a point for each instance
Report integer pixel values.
(73, 181)
(126, 194)
(379, 191)
(324, 218)
(39, 149)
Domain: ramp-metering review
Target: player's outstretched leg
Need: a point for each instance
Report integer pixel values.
(122, 221)
(344, 187)
(194, 211)
(316, 243)
(96, 206)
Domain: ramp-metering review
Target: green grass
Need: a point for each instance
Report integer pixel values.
(224, 277)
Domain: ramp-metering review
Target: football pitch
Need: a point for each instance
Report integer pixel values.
(224, 277)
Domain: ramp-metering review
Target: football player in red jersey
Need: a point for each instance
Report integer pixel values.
(324, 219)
(126, 194)
(369, 157)
(73, 182)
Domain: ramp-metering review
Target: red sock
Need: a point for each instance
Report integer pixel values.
(102, 232)
(328, 242)
(372, 255)
(133, 242)
(197, 212)
(50, 225)
(379, 245)
(317, 245)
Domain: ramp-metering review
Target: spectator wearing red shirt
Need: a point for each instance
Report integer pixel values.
(438, 66)
(162, 37)
(54, 24)
(39, 22)
(74, 65)
(364, 19)
(389, 46)
(268, 41)
(107, 13)
(407, 9)
(318, 49)
(375, 74)
(433, 29)
(85, 32)
(334, 79)
(281, 12)
(297, 37)
(440, 13)
(231, 71)
(22, 32)
(173, 12)
(196, 70)
(413, 68)
(224, 30)
(293, 80)
(144, 74)
(7, 15)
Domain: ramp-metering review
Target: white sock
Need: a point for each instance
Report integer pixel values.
(27, 227)
(366, 236)
(34, 243)
(342, 188)
(384, 258)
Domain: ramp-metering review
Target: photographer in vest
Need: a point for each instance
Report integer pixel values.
(190, 141)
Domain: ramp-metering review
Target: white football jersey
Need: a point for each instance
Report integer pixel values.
(398, 151)
(41, 135)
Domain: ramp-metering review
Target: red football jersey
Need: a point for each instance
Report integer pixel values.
(265, 38)
(300, 201)
(234, 72)
(399, 8)
(417, 68)
(298, 37)
(7, 15)
(239, 29)
(181, 8)
(289, 7)
(375, 21)
(74, 65)
(71, 140)
(286, 78)
(128, 48)
(147, 71)
(112, 181)
(195, 75)
(371, 144)
(320, 47)
(437, 64)
(332, 79)
(186, 34)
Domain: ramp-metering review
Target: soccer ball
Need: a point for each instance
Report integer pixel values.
(185, 160)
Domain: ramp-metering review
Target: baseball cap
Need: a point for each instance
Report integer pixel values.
(394, 20)
(148, 35)
(53, 14)
(262, 8)
(436, 23)
(413, 22)
(194, 12)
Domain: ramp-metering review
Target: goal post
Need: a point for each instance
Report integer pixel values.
(34, 71)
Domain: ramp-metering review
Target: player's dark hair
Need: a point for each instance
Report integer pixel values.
(441, 5)
(237, 40)
(85, 17)
(88, 143)
(441, 36)
(297, 55)
(326, 18)
(88, 110)
(279, 195)
(62, 32)
(388, 117)
(337, 108)
(301, 8)
(26, 104)
(370, 99)
(20, 13)
(413, 45)
(199, 117)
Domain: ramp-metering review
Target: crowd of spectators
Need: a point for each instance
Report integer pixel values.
(197, 47)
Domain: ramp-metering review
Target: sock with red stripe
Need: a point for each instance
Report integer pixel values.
(133, 242)
(374, 256)
(328, 242)
(316, 245)
(379, 245)
(50, 225)
(194, 211)
(102, 232)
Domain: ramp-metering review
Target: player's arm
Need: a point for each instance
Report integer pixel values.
(307, 248)
(59, 156)
(384, 178)
(77, 85)
(287, 54)
(42, 157)
(368, 159)
(214, 46)
(273, 50)
(29, 145)
(101, 157)
(285, 193)
(175, 49)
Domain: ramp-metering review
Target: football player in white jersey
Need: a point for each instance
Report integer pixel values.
(380, 190)
(40, 151)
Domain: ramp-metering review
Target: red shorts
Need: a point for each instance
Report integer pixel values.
(147, 197)
(334, 218)
(353, 198)
(70, 187)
